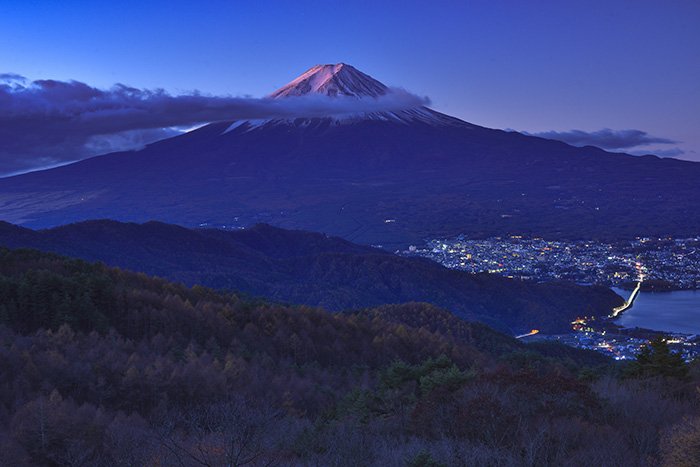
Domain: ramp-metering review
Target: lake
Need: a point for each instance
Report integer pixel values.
(677, 311)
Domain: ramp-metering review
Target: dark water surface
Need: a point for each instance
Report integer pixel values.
(677, 311)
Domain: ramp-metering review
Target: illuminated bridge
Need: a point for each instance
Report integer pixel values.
(628, 303)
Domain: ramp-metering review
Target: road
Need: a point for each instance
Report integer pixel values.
(531, 333)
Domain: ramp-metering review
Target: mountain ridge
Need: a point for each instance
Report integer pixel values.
(314, 269)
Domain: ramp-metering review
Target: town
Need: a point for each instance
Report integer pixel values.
(667, 263)
(604, 336)
(662, 264)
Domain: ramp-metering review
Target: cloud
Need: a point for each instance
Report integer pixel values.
(671, 152)
(606, 138)
(128, 140)
(46, 122)
(9, 77)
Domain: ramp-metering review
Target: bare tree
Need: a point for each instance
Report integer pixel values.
(229, 433)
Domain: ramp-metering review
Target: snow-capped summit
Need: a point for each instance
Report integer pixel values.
(345, 81)
(333, 80)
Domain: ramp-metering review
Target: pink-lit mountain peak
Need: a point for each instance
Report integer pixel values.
(333, 80)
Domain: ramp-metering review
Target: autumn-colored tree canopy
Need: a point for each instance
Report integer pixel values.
(101, 366)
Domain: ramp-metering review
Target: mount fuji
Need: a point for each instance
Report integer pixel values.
(387, 176)
(345, 81)
(333, 80)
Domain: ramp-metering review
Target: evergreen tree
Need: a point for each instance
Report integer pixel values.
(657, 359)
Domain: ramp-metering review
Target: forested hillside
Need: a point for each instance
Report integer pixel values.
(100, 366)
(314, 269)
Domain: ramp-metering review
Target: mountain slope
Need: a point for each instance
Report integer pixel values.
(433, 175)
(313, 269)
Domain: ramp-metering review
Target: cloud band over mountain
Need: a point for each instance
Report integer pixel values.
(606, 138)
(49, 122)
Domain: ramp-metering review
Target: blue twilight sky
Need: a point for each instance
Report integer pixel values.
(533, 66)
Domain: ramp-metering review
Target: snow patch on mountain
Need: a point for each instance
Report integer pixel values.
(333, 80)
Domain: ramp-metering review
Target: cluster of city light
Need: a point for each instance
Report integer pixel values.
(537, 259)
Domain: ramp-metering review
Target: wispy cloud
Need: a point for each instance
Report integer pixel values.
(670, 152)
(10, 77)
(46, 122)
(606, 138)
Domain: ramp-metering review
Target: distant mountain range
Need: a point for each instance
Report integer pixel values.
(390, 178)
(314, 269)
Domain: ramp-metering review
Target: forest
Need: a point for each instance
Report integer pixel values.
(309, 268)
(102, 366)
